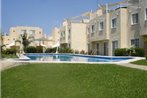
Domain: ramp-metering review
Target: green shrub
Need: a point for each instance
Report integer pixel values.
(39, 49)
(90, 52)
(65, 50)
(77, 52)
(132, 52)
(9, 51)
(138, 52)
(121, 52)
(31, 49)
(8, 56)
(82, 52)
(50, 50)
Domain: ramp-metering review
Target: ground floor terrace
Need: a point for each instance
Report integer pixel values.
(108, 47)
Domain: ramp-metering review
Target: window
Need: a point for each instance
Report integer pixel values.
(135, 18)
(135, 42)
(98, 48)
(32, 32)
(93, 28)
(146, 14)
(101, 26)
(105, 48)
(113, 25)
(69, 31)
(63, 33)
(23, 31)
(88, 30)
(114, 46)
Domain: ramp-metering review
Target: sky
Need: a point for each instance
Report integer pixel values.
(46, 14)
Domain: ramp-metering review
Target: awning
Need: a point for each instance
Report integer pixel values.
(12, 44)
(43, 45)
(56, 45)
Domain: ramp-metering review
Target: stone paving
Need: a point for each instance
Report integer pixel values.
(5, 64)
(141, 67)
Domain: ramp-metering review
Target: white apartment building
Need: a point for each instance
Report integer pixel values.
(118, 27)
(15, 34)
(73, 35)
(55, 36)
(137, 23)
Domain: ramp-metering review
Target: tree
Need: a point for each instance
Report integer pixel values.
(26, 40)
(1, 39)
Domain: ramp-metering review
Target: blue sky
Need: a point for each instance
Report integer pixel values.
(44, 13)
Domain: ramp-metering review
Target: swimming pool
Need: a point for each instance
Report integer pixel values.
(74, 58)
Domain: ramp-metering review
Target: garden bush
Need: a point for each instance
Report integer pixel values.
(65, 50)
(82, 52)
(9, 51)
(90, 52)
(121, 52)
(132, 52)
(139, 52)
(76, 52)
(31, 49)
(50, 50)
(39, 49)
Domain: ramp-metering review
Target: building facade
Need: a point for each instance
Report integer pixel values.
(15, 33)
(73, 35)
(118, 27)
(55, 36)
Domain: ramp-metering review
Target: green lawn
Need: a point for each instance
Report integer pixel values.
(73, 81)
(140, 62)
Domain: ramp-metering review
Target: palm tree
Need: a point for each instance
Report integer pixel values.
(26, 40)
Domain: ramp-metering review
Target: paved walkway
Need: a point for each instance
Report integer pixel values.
(141, 67)
(5, 64)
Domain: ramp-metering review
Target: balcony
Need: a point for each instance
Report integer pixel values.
(101, 35)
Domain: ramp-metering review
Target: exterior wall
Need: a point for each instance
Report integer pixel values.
(98, 36)
(55, 35)
(137, 31)
(143, 21)
(120, 32)
(7, 40)
(15, 32)
(134, 29)
(50, 42)
(123, 33)
(71, 33)
(78, 36)
(64, 33)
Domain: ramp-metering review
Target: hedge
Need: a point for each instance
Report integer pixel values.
(132, 52)
(31, 49)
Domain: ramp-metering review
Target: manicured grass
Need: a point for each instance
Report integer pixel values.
(140, 62)
(73, 81)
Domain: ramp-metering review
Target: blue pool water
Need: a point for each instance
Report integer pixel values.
(74, 58)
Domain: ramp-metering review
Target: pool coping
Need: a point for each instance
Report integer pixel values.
(9, 63)
(118, 62)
